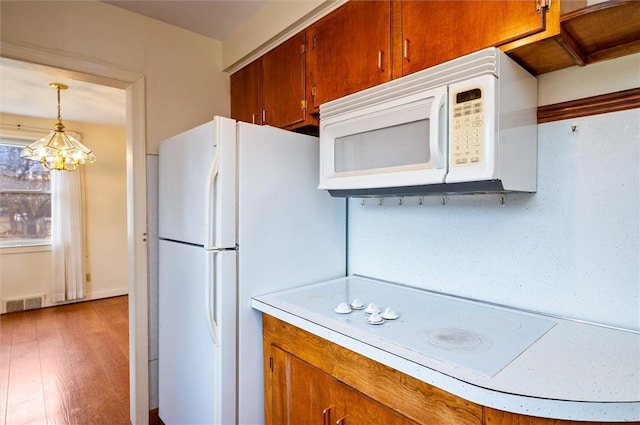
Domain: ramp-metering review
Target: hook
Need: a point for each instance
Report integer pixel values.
(444, 200)
(501, 199)
(380, 200)
(400, 200)
(421, 200)
(363, 201)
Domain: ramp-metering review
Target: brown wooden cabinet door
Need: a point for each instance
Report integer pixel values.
(296, 392)
(349, 50)
(358, 409)
(283, 83)
(246, 94)
(434, 32)
(303, 394)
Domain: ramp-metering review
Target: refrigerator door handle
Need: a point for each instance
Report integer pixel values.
(211, 210)
(211, 297)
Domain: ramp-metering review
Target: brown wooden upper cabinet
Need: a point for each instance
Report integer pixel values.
(272, 89)
(364, 43)
(284, 84)
(427, 33)
(578, 34)
(246, 93)
(349, 50)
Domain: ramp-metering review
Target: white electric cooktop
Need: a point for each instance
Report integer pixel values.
(412, 323)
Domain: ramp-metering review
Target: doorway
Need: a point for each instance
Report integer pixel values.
(134, 85)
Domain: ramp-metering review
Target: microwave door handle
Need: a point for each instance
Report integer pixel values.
(438, 144)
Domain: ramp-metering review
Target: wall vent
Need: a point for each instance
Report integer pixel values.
(13, 305)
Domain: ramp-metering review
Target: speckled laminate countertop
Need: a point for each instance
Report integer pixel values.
(574, 371)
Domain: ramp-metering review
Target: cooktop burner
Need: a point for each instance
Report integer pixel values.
(455, 339)
(413, 323)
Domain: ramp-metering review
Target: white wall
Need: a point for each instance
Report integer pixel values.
(571, 249)
(277, 21)
(106, 209)
(185, 85)
(592, 80)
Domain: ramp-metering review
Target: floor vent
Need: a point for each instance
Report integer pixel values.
(31, 303)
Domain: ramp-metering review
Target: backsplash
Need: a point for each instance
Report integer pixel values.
(571, 249)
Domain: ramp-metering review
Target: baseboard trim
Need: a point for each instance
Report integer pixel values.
(89, 297)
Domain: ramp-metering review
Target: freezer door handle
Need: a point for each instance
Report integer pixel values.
(211, 297)
(211, 210)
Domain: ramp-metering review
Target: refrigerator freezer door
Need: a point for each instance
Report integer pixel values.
(197, 185)
(194, 285)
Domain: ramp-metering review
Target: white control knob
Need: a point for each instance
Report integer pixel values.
(389, 314)
(375, 319)
(372, 308)
(356, 304)
(342, 308)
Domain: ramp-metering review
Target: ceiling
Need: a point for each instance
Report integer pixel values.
(25, 90)
(211, 18)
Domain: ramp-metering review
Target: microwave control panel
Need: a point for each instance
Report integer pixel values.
(467, 138)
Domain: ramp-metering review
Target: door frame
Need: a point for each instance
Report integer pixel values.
(134, 84)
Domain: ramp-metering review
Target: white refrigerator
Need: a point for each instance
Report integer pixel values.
(239, 215)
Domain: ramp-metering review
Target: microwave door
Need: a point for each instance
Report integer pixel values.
(387, 145)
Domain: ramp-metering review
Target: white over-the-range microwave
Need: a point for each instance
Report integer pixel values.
(464, 126)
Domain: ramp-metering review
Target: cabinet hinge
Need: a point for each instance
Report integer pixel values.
(303, 48)
(543, 5)
(303, 104)
(313, 90)
(271, 363)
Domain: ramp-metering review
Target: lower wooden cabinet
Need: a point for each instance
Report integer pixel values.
(498, 417)
(356, 408)
(300, 393)
(309, 380)
(303, 394)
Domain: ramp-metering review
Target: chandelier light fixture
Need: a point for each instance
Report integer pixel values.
(58, 150)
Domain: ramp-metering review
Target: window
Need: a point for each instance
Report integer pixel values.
(25, 198)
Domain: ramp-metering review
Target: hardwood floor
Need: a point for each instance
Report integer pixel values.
(66, 364)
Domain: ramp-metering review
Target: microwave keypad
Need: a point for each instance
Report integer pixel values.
(467, 133)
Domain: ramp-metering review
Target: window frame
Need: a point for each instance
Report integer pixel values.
(21, 136)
